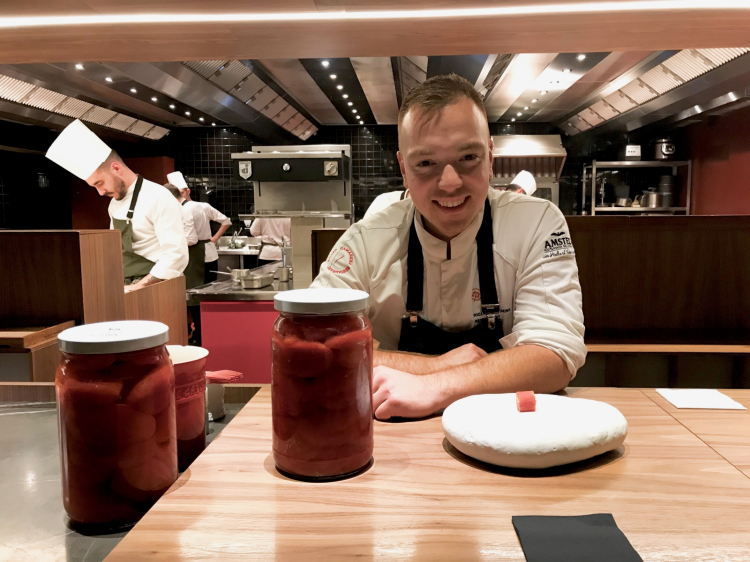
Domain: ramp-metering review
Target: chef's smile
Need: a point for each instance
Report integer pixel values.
(451, 205)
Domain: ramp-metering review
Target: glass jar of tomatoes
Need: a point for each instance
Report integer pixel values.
(321, 384)
(116, 413)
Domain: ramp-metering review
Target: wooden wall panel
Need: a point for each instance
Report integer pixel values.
(664, 279)
(164, 302)
(102, 275)
(26, 392)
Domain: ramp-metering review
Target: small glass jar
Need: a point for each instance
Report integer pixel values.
(321, 384)
(116, 415)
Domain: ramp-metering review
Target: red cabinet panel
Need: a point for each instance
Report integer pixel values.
(238, 337)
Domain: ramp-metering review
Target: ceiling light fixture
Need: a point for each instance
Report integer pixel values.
(542, 92)
(513, 119)
(345, 96)
(213, 124)
(581, 57)
(187, 113)
(534, 100)
(325, 63)
(200, 119)
(339, 87)
(349, 103)
(526, 108)
(333, 77)
(154, 99)
(171, 106)
(134, 90)
(361, 122)
(354, 111)
(79, 66)
(566, 70)
(108, 79)
(519, 114)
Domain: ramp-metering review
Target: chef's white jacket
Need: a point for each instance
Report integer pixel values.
(158, 234)
(383, 201)
(188, 225)
(273, 231)
(535, 274)
(203, 214)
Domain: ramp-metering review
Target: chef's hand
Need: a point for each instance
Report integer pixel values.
(467, 353)
(395, 393)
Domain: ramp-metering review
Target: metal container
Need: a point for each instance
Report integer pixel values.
(284, 274)
(664, 149)
(623, 202)
(666, 199)
(256, 280)
(651, 199)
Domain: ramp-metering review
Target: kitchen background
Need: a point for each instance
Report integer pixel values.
(36, 194)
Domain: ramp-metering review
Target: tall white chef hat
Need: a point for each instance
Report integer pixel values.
(177, 180)
(525, 181)
(78, 150)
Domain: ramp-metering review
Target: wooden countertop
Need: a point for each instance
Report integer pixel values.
(672, 490)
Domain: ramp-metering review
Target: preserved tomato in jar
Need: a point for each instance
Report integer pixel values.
(321, 384)
(116, 417)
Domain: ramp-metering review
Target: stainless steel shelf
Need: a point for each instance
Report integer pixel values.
(640, 164)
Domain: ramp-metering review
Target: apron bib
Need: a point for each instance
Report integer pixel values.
(195, 270)
(420, 336)
(135, 267)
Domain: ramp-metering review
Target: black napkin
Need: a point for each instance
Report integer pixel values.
(582, 538)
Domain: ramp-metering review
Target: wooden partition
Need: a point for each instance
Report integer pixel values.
(164, 302)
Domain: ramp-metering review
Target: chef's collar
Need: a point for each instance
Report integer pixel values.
(437, 249)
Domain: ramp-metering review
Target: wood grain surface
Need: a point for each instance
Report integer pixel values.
(726, 431)
(163, 302)
(673, 496)
(536, 32)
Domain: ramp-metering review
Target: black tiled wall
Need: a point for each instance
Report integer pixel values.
(4, 204)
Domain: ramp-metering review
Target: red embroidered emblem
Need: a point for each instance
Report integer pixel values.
(475, 295)
(340, 261)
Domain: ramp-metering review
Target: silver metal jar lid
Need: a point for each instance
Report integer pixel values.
(120, 336)
(321, 301)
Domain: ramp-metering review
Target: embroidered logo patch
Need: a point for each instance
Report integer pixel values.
(340, 260)
(475, 295)
(559, 244)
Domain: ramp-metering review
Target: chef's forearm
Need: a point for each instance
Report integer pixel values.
(219, 233)
(524, 367)
(413, 363)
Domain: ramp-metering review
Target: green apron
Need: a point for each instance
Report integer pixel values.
(135, 266)
(195, 271)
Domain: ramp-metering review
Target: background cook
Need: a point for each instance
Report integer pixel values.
(203, 214)
(460, 268)
(154, 247)
(194, 271)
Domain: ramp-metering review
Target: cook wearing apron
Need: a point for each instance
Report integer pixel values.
(472, 290)
(195, 272)
(135, 267)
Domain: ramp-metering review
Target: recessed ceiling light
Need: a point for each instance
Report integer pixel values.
(534, 100)
(354, 111)
(325, 63)
(570, 124)
(213, 124)
(333, 77)
(154, 99)
(134, 90)
(525, 108)
(349, 103)
(361, 122)
(542, 92)
(519, 114)
(187, 113)
(581, 57)
(513, 119)
(200, 118)
(339, 87)
(79, 66)
(108, 79)
(566, 70)
(345, 96)
(171, 106)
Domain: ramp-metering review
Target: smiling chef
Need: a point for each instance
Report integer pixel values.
(154, 247)
(472, 290)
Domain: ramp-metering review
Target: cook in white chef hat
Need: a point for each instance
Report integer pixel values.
(524, 182)
(82, 153)
(177, 180)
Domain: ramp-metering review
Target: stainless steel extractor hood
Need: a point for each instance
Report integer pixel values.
(541, 155)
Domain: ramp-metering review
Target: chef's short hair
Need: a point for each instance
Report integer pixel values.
(113, 157)
(438, 92)
(174, 190)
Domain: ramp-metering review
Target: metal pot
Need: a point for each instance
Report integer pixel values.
(623, 202)
(651, 199)
(664, 149)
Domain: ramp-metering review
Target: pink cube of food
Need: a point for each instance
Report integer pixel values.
(526, 401)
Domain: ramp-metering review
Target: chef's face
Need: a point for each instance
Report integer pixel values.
(107, 181)
(446, 162)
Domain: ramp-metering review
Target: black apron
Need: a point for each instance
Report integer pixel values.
(195, 271)
(420, 336)
(135, 266)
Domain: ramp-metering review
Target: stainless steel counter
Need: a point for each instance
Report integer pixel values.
(225, 290)
(33, 521)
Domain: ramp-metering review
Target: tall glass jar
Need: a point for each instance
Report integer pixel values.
(321, 385)
(116, 414)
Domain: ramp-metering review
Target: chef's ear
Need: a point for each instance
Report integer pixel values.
(402, 166)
